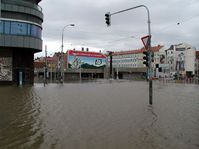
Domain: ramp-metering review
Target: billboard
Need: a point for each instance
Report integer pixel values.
(5, 69)
(86, 60)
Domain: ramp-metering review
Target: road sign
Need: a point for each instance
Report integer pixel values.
(145, 41)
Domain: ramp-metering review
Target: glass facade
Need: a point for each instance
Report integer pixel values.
(20, 28)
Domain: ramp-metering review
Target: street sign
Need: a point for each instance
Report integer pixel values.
(145, 41)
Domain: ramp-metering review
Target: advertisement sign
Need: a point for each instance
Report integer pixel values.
(180, 59)
(86, 60)
(5, 69)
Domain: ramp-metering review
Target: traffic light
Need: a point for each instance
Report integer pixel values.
(108, 18)
(146, 58)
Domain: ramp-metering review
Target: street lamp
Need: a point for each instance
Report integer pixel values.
(62, 56)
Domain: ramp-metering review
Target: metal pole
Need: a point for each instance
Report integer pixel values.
(55, 74)
(62, 46)
(62, 55)
(198, 71)
(117, 77)
(150, 59)
(117, 73)
(80, 72)
(51, 74)
(46, 65)
(149, 48)
(111, 65)
(45, 68)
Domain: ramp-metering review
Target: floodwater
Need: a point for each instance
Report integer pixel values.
(100, 115)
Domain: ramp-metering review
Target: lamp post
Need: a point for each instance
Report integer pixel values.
(117, 77)
(62, 55)
(46, 66)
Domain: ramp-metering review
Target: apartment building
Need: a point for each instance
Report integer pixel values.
(181, 60)
(134, 58)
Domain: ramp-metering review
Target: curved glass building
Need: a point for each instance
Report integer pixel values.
(20, 37)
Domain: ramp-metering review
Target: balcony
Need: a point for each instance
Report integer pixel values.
(22, 3)
(22, 7)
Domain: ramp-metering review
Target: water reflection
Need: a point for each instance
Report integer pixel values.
(100, 114)
(20, 123)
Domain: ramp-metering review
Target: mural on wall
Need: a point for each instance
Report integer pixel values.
(87, 60)
(5, 69)
(162, 59)
(180, 59)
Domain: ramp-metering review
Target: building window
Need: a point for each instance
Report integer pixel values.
(33, 31)
(7, 27)
(20, 28)
(28, 29)
(1, 27)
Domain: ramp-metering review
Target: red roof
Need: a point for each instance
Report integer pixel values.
(154, 49)
(39, 64)
(51, 59)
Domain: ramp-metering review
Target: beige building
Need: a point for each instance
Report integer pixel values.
(134, 58)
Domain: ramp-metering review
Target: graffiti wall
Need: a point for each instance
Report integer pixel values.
(180, 59)
(5, 69)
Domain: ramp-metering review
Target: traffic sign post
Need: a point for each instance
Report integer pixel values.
(145, 41)
(148, 43)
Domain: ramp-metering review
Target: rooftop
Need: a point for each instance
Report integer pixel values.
(154, 49)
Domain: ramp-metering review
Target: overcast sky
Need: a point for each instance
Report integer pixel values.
(172, 22)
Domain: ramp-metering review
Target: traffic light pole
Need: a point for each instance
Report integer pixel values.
(150, 74)
(149, 47)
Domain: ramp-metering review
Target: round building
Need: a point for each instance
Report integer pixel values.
(20, 37)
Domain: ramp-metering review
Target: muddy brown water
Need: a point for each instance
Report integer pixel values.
(99, 115)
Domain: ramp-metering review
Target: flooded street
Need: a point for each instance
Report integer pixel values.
(100, 115)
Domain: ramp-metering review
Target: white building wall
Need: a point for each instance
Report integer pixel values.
(134, 60)
(126, 61)
(190, 59)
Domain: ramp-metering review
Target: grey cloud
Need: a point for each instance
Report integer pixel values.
(88, 15)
